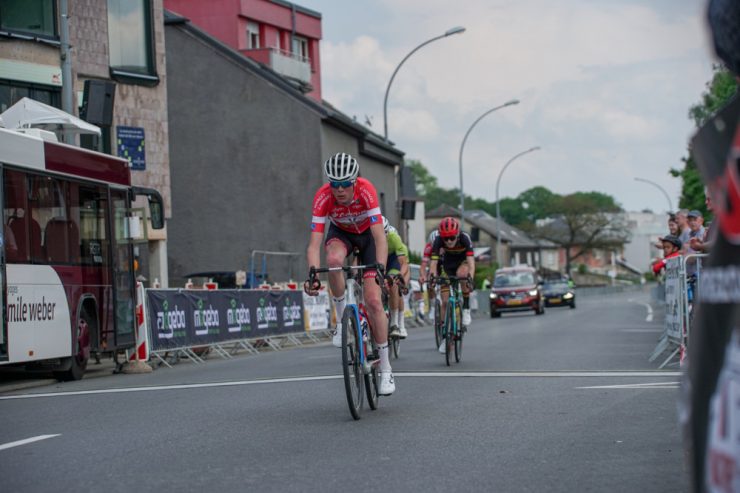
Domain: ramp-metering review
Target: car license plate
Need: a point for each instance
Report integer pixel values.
(555, 300)
(514, 302)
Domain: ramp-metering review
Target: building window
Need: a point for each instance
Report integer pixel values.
(36, 17)
(12, 91)
(130, 36)
(300, 48)
(253, 36)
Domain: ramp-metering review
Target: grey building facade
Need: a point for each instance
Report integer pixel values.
(246, 148)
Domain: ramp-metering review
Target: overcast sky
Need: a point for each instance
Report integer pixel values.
(605, 87)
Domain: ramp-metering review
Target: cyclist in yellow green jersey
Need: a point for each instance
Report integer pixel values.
(397, 264)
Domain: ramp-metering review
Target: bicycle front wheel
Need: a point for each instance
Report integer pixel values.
(449, 335)
(459, 335)
(351, 364)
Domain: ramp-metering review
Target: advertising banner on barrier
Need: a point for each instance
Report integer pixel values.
(318, 311)
(187, 318)
(675, 276)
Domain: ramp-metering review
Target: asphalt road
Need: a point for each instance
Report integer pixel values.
(563, 402)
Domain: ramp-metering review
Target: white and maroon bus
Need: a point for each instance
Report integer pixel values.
(67, 263)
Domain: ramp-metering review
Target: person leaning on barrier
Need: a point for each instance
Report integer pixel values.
(703, 244)
(671, 248)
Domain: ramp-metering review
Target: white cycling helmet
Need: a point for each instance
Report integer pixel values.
(433, 236)
(341, 167)
(388, 227)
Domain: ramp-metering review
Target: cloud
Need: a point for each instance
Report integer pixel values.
(605, 87)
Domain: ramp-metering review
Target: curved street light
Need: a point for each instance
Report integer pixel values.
(668, 198)
(460, 161)
(449, 32)
(498, 208)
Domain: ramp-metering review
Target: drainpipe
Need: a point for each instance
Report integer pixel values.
(292, 27)
(67, 83)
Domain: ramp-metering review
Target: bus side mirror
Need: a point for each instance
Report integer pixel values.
(156, 205)
(156, 214)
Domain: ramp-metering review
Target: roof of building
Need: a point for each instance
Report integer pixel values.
(370, 143)
(484, 221)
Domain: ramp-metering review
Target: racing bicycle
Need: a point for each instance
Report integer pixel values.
(360, 360)
(451, 328)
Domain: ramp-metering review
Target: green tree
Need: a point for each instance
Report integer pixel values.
(582, 222)
(719, 90)
(425, 181)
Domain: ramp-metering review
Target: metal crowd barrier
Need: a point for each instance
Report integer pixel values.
(184, 323)
(682, 286)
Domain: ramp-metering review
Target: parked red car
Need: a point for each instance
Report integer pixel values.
(516, 289)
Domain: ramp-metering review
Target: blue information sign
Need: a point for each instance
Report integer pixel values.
(130, 144)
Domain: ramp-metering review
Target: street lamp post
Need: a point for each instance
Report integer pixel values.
(668, 198)
(449, 32)
(460, 160)
(498, 207)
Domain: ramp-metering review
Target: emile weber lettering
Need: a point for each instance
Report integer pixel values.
(31, 311)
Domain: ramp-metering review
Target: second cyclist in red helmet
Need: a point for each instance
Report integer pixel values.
(455, 249)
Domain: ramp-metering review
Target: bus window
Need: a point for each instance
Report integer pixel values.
(18, 223)
(49, 206)
(91, 208)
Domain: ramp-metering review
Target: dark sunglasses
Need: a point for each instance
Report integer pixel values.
(450, 239)
(342, 184)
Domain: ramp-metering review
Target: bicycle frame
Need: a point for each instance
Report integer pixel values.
(356, 302)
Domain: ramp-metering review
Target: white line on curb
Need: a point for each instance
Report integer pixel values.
(450, 374)
(26, 441)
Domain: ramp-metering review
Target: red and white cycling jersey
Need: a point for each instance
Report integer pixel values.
(357, 217)
(427, 252)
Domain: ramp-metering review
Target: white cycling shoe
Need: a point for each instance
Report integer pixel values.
(466, 317)
(336, 339)
(387, 383)
(403, 333)
(442, 347)
(394, 331)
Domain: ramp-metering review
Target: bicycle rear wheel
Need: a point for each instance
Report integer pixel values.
(395, 344)
(351, 365)
(438, 324)
(459, 336)
(371, 383)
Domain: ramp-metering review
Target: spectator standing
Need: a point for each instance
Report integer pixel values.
(696, 229)
(683, 226)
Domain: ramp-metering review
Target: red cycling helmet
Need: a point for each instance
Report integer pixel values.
(449, 227)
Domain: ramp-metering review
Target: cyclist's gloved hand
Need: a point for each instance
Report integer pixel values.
(312, 285)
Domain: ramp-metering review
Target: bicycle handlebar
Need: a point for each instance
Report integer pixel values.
(315, 284)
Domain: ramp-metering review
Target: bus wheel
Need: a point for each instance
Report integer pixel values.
(77, 363)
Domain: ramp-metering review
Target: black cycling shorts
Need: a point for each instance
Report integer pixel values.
(364, 242)
(450, 264)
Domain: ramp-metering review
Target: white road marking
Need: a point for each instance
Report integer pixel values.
(657, 385)
(652, 331)
(26, 441)
(649, 317)
(439, 374)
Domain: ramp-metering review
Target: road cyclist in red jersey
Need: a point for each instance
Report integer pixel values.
(455, 248)
(349, 206)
